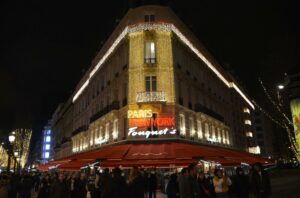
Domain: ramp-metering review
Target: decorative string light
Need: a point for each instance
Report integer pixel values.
(274, 103)
(267, 114)
(161, 27)
(282, 125)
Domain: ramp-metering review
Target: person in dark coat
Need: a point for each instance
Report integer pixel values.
(25, 186)
(184, 187)
(152, 184)
(173, 187)
(59, 188)
(117, 187)
(194, 186)
(241, 184)
(136, 184)
(44, 187)
(205, 186)
(80, 187)
(261, 182)
(105, 182)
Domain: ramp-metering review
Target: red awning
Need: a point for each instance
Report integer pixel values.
(149, 163)
(111, 152)
(74, 165)
(161, 154)
(45, 167)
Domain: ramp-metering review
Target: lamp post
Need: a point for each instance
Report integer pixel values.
(11, 139)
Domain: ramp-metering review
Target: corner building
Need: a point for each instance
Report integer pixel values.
(154, 81)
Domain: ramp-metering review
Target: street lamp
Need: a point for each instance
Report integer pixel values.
(11, 139)
(280, 86)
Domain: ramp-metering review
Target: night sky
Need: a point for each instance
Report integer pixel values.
(46, 47)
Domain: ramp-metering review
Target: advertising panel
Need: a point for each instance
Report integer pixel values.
(295, 109)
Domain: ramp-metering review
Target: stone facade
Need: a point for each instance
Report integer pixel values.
(153, 80)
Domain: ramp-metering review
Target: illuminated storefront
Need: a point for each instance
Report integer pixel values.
(153, 83)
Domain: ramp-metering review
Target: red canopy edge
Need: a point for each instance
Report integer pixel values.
(159, 154)
(74, 165)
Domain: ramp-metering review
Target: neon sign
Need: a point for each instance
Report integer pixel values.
(133, 132)
(157, 122)
(140, 113)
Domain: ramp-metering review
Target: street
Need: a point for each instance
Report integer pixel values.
(285, 183)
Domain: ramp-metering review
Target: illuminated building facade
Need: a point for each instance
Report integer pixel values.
(153, 80)
(47, 146)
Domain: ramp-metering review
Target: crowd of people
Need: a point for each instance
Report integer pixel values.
(189, 183)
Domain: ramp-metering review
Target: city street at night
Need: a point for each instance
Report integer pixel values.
(285, 183)
(149, 98)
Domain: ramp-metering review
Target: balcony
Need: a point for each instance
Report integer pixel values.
(207, 111)
(150, 96)
(115, 105)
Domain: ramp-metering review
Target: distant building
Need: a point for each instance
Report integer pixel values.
(47, 146)
(263, 133)
(153, 80)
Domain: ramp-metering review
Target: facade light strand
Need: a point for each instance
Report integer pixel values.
(162, 27)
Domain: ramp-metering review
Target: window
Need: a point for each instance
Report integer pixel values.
(199, 129)
(48, 132)
(246, 110)
(249, 134)
(258, 128)
(116, 129)
(182, 124)
(46, 155)
(47, 147)
(206, 130)
(150, 52)
(107, 131)
(149, 18)
(48, 139)
(150, 83)
(192, 129)
(248, 122)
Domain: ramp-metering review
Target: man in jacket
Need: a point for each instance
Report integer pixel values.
(261, 182)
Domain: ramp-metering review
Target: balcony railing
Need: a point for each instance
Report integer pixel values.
(150, 96)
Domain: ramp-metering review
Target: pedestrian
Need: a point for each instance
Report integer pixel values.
(25, 186)
(105, 182)
(193, 184)
(183, 180)
(136, 186)
(81, 187)
(59, 188)
(241, 184)
(152, 184)
(97, 191)
(173, 187)
(221, 184)
(44, 187)
(72, 182)
(204, 185)
(260, 182)
(117, 187)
